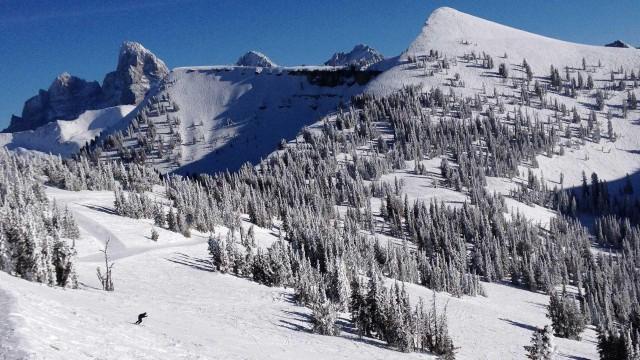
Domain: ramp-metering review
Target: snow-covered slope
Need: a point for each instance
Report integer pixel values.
(228, 115)
(456, 36)
(453, 34)
(66, 137)
(195, 313)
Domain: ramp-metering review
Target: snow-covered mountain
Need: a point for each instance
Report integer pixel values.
(360, 56)
(486, 107)
(138, 70)
(455, 34)
(255, 59)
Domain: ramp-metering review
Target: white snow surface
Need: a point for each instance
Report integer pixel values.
(66, 137)
(454, 33)
(198, 314)
(239, 114)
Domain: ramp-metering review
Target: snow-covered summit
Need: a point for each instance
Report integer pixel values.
(255, 59)
(453, 32)
(454, 35)
(361, 56)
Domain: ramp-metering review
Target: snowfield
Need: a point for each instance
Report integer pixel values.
(195, 313)
(66, 137)
(454, 34)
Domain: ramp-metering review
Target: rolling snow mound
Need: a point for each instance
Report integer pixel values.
(66, 137)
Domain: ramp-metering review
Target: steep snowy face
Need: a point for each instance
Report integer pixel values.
(360, 56)
(138, 70)
(67, 97)
(255, 59)
(215, 118)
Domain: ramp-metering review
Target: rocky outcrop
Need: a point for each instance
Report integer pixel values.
(619, 44)
(138, 70)
(255, 59)
(68, 96)
(360, 56)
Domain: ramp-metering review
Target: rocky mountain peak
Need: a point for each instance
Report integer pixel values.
(619, 44)
(361, 56)
(68, 96)
(138, 71)
(256, 59)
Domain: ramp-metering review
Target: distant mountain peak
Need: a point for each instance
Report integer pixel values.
(137, 71)
(361, 55)
(619, 44)
(255, 59)
(68, 96)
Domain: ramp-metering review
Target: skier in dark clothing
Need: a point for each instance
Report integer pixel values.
(140, 317)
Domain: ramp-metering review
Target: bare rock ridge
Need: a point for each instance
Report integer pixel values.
(138, 70)
(619, 44)
(68, 96)
(360, 56)
(255, 59)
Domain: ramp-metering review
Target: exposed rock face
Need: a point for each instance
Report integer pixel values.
(255, 59)
(138, 70)
(68, 96)
(619, 44)
(360, 56)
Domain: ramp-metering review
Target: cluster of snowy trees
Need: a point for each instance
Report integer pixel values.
(36, 236)
(541, 347)
(376, 311)
(151, 136)
(610, 280)
(443, 248)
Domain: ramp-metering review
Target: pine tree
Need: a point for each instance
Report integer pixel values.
(324, 317)
(541, 347)
(612, 345)
(503, 70)
(566, 317)
(359, 309)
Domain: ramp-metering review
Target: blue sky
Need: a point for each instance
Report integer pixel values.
(40, 39)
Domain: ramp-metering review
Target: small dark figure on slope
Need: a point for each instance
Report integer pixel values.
(140, 317)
